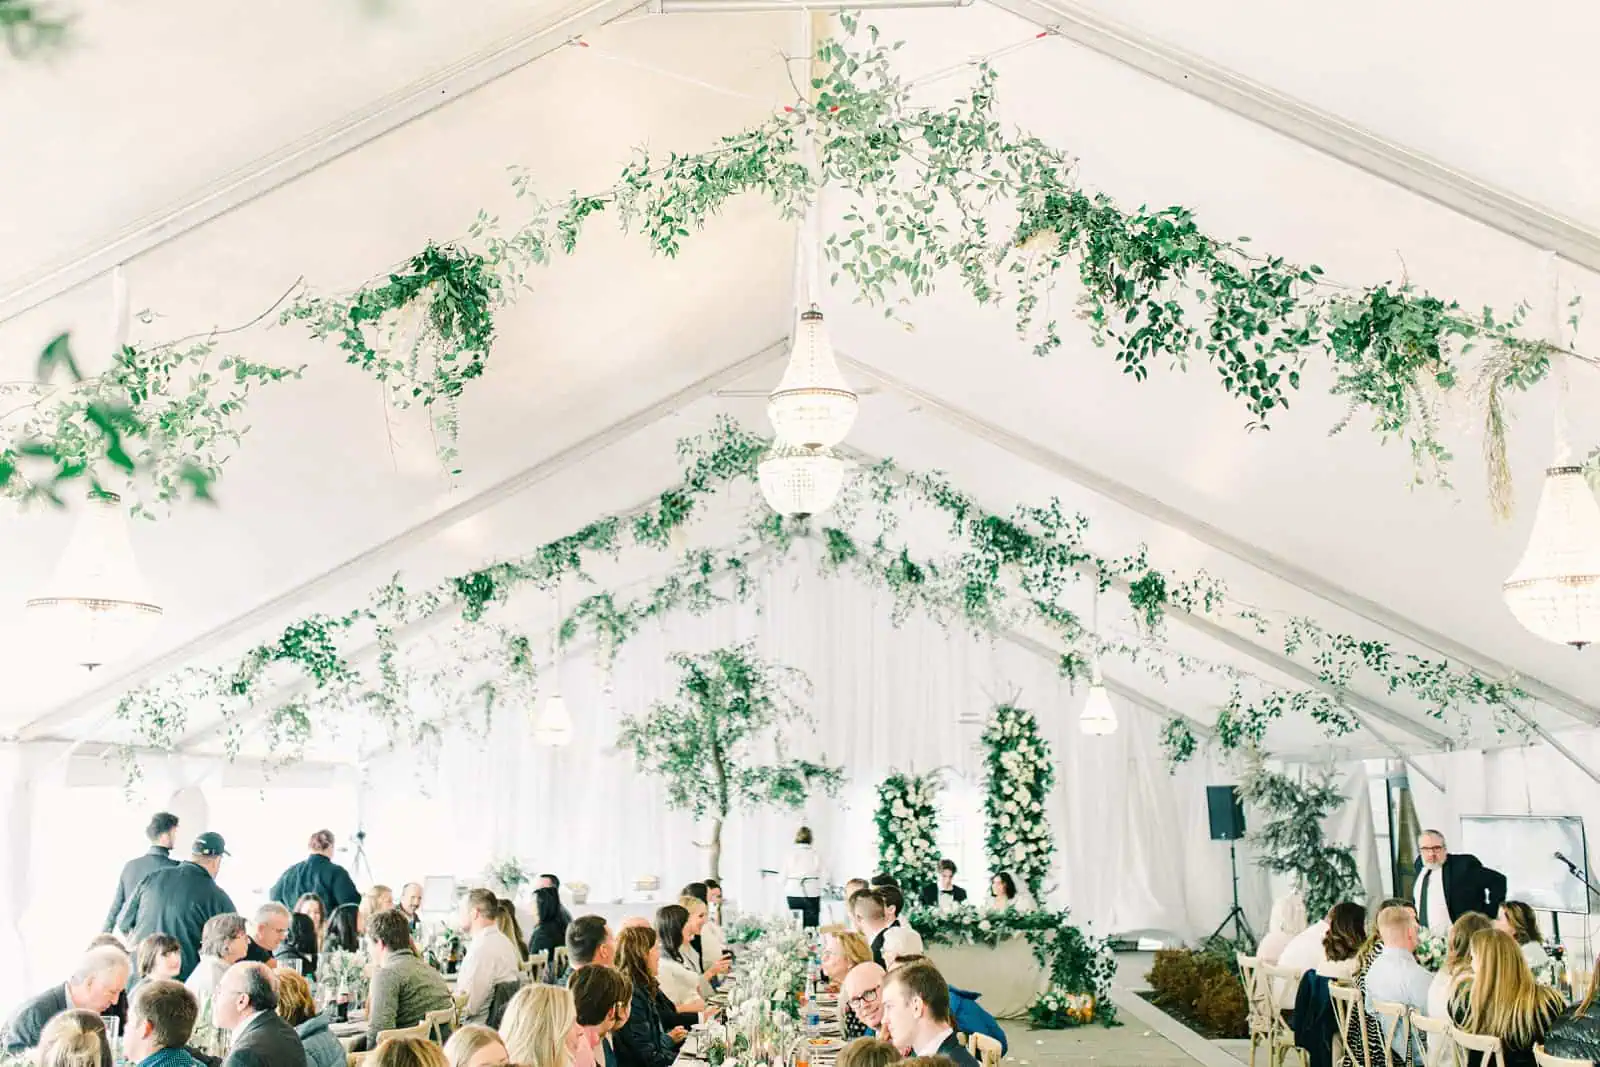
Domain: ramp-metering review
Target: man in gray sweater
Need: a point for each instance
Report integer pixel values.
(404, 988)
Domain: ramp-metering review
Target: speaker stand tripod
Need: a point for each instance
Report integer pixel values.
(1241, 925)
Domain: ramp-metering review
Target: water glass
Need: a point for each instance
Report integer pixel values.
(113, 1027)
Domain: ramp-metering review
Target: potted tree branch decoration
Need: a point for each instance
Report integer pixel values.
(730, 703)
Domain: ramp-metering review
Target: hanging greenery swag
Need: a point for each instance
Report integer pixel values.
(1000, 572)
(907, 817)
(1018, 775)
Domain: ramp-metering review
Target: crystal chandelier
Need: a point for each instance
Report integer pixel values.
(800, 481)
(812, 406)
(1098, 718)
(96, 606)
(1555, 589)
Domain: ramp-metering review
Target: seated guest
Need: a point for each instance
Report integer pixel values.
(1502, 1000)
(158, 957)
(1288, 918)
(1457, 966)
(680, 981)
(549, 929)
(246, 1005)
(709, 968)
(377, 898)
(344, 930)
(1002, 891)
(491, 957)
(1396, 975)
(96, 983)
(899, 942)
(74, 1039)
(267, 929)
(841, 950)
(540, 1027)
(1518, 920)
(872, 919)
(709, 943)
(300, 1011)
(550, 881)
(301, 945)
(476, 1046)
(965, 1011)
(642, 1041)
(600, 998)
(1341, 946)
(894, 903)
(589, 942)
(862, 997)
(1576, 1034)
(881, 879)
(714, 899)
(404, 988)
(867, 1052)
(408, 1052)
(118, 1010)
(852, 888)
(916, 1009)
(161, 1018)
(310, 905)
(944, 894)
(411, 904)
(505, 917)
(223, 943)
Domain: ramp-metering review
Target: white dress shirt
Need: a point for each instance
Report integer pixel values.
(491, 959)
(1438, 907)
(803, 873)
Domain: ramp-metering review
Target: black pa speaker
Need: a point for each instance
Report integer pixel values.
(1226, 811)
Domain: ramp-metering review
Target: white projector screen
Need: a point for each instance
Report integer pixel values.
(1523, 848)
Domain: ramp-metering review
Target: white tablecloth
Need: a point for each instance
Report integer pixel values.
(1007, 976)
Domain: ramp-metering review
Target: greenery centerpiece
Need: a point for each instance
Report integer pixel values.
(1018, 775)
(340, 972)
(1080, 968)
(907, 818)
(1288, 837)
(509, 875)
(706, 745)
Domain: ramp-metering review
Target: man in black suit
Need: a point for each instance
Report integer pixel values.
(1448, 886)
(916, 1012)
(95, 985)
(162, 832)
(246, 1002)
(944, 894)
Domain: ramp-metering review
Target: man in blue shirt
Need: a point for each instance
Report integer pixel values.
(161, 1017)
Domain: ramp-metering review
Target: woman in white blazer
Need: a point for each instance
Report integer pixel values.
(803, 879)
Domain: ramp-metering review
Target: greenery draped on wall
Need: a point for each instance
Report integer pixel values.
(1018, 775)
(1288, 836)
(702, 745)
(907, 817)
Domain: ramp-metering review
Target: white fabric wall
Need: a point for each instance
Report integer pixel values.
(1133, 850)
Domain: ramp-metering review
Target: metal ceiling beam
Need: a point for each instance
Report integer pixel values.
(1324, 131)
(1207, 534)
(265, 612)
(317, 150)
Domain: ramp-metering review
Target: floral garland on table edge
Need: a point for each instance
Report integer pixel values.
(907, 818)
(925, 185)
(1290, 840)
(762, 1023)
(1000, 572)
(1018, 776)
(1079, 966)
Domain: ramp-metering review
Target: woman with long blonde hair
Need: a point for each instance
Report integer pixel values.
(1503, 1000)
(476, 1046)
(540, 1028)
(1457, 966)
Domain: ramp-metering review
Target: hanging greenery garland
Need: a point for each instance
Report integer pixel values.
(1289, 839)
(1018, 775)
(30, 27)
(907, 818)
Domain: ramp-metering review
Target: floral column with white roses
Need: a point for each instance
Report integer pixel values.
(908, 829)
(1018, 776)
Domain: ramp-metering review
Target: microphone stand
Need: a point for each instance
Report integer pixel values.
(1572, 869)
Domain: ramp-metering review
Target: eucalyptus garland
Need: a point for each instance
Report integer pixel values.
(907, 817)
(1018, 776)
(1077, 964)
(1290, 839)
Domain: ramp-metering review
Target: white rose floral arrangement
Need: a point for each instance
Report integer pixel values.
(1431, 949)
(908, 828)
(1018, 777)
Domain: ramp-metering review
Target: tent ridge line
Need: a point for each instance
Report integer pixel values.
(1338, 138)
(505, 489)
(1261, 559)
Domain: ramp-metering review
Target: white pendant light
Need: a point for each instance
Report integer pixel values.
(1098, 718)
(812, 406)
(553, 724)
(800, 481)
(96, 607)
(1555, 589)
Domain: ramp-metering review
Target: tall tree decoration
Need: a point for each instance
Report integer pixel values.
(704, 744)
(908, 829)
(1289, 840)
(1018, 776)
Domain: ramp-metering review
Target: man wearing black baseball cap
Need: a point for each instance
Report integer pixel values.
(178, 901)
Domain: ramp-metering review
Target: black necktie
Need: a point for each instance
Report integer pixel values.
(1422, 898)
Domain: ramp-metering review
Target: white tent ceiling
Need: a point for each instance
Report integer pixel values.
(616, 353)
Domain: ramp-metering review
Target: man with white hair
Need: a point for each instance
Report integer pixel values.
(267, 930)
(95, 985)
(246, 1003)
(1450, 885)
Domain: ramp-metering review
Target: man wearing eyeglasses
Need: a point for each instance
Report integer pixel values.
(862, 992)
(1448, 886)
